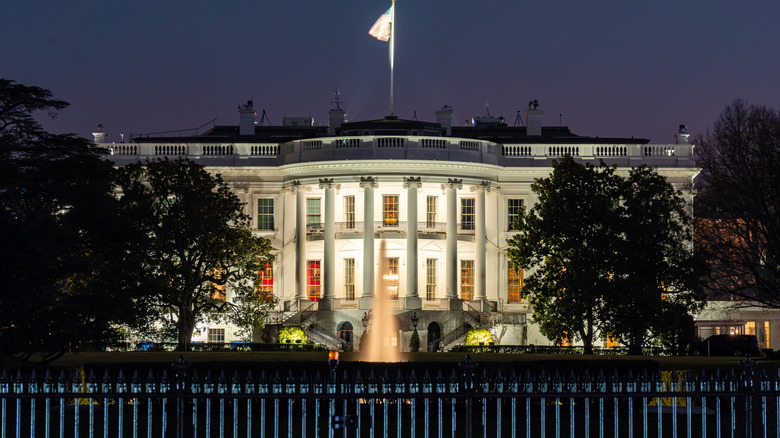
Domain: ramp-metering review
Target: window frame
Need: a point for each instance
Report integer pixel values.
(390, 211)
(468, 214)
(467, 280)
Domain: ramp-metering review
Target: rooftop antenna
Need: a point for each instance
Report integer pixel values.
(487, 109)
(337, 99)
(414, 117)
(560, 119)
(264, 117)
(519, 118)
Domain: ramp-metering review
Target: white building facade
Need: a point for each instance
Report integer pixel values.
(443, 198)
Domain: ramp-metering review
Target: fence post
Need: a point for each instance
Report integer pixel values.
(180, 369)
(748, 377)
(468, 386)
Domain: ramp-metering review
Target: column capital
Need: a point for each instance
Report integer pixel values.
(484, 186)
(454, 183)
(326, 183)
(296, 186)
(413, 182)
(368, 181)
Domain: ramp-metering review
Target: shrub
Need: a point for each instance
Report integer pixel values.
(414, 342)
(476, 337)
(292, 335)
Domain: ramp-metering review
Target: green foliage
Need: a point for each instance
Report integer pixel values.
(63, 241)
(292, 335)
(414, 342)
(476, 337)
(611, 255)
(197, 241)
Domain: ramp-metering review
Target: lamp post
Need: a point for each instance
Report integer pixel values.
(415, 320)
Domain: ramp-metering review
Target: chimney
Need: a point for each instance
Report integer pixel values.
(336, 115)
(335, 119)
(682, 135)
(444, 118)
(100, 135)
(246, 119)
(533, 119)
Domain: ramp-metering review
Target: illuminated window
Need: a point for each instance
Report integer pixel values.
(391, 278)
(467, 213)
(266, 288)
(766, 334)
(349, 279)
(216, 335)
(513, 209)
(467, 280)
(750, 328)
(313, 218)
(611, 342)
(566, 341)
(515, 284)
(218, 289)
(390, 210)
(349, 211)
(431, 206)
(430, 279)
(265, 214)
(313, 283)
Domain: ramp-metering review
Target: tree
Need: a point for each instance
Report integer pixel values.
(198, 246)
(568, 238)
(738, 226)
(612, 255)
(63, 240)
(414, 342)
(656, 273)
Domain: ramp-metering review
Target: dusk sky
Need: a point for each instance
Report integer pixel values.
(611, 68)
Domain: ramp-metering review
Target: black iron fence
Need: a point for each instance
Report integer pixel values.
(397, 400)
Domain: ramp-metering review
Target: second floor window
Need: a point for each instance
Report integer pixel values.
(216, 335)
(349, 211)
(513, 209)
(431, 206)
(467, 213)
(313, 219)
(265, 214)
(390, 211)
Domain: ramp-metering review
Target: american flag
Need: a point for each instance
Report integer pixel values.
(381, 29)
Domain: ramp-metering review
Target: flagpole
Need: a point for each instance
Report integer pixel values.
(392, 53)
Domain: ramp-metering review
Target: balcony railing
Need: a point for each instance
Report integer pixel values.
(386, 227)
(412, 147)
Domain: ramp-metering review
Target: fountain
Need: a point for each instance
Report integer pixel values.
(381, 324)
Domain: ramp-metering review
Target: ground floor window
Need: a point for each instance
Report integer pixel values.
(515, 284)
(467, 280)
(216, 335)
(313, 283)
(391, 278)
(430, 279)
(349, 279)
(266, 287)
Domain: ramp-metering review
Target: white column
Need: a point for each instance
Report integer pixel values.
(480, 242)
(329, 256)
(451, 265)
(300, 240)
(367, 299)
(413, 300)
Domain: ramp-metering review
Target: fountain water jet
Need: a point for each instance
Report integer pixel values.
(382, 327)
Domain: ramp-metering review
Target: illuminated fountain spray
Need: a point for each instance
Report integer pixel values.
(382, 326)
